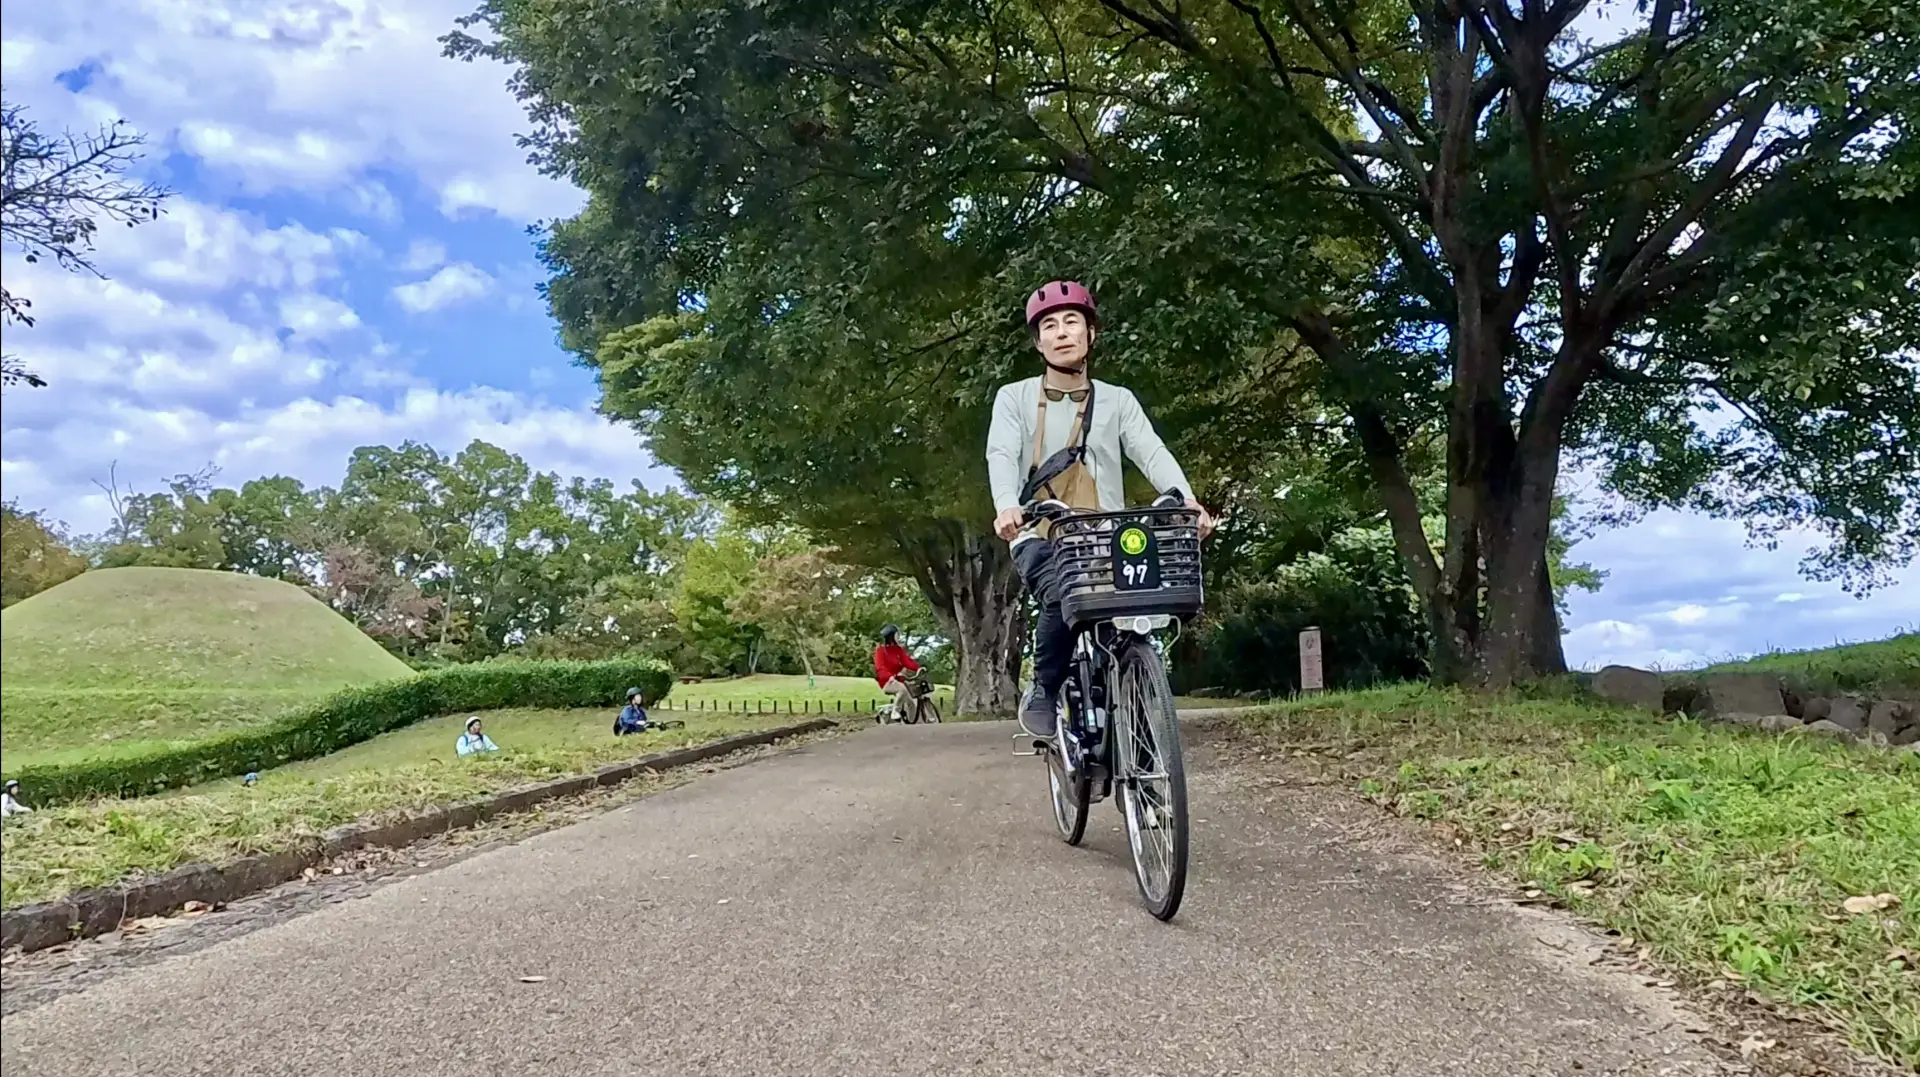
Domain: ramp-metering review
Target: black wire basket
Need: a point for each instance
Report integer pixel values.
(1128, 563)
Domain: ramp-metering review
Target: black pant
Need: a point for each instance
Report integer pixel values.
(1052, 640)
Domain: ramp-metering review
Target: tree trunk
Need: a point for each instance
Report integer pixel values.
(1549, 654)
(975, 593)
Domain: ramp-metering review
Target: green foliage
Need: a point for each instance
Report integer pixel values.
(34, 555)
(1356, 593)
(347, 717)
(822, 216)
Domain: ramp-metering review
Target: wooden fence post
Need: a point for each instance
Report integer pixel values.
(1313, 679)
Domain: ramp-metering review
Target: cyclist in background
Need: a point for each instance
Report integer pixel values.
(1070, 452)
(632, 717)
(890, 660)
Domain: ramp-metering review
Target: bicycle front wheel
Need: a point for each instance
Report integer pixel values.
(929, 710)
(1153, 779)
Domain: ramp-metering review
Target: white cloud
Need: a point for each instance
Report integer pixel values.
(1687, 615)
(451, 286)
(422, 255)
(307, 437)
(197, 362)
(311, 315)
(194, 246)
(1685, 590)
(302, 95)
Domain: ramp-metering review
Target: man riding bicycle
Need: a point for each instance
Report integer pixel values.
(1048, 440)
(890, 662)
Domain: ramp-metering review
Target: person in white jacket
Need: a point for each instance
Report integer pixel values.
(10, 800)
(1062, 435)
(474, 740)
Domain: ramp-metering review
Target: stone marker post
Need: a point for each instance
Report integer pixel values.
(1312, 678)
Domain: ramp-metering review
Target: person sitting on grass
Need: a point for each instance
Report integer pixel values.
(10, 800)
(473, 740)
(633, 716)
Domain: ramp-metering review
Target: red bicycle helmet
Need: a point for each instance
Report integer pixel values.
(1058, 295)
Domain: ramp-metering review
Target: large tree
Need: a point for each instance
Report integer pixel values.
(1683, 254)
(782, 327)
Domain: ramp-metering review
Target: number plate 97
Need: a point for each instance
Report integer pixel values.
(1136, 559)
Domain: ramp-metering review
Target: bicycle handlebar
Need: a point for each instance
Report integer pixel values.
(1051, 509)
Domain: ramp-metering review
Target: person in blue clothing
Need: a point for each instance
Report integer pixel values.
(473, 740)
(633, 716)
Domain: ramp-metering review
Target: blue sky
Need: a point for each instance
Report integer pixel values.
(346, 262)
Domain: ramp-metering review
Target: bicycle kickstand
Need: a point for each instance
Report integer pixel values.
(1033, 744)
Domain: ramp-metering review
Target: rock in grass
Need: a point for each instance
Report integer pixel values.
(1848, 714)
(1887, 717)
(1780, 723)
(1633, 687)
(1825, 728)
(1743, 693)
(1815, 708)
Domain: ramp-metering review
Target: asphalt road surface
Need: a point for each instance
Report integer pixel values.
(890, 903)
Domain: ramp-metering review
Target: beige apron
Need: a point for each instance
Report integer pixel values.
(1075, 485)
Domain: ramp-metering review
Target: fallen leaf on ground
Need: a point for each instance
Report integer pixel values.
(723, 901)
(533, 979)
(1867, 903)
(195, 908)
(1753, 1045)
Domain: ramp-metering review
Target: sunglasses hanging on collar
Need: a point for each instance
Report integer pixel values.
(1057, 395)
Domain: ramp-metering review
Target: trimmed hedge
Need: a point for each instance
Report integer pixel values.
(347, 718)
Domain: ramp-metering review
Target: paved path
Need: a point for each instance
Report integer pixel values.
(891, 903)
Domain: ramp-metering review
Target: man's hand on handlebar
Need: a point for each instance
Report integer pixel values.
(1175, 497)
(1206, 518)
(1009, 522)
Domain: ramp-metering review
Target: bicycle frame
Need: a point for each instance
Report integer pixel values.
(1089, 735)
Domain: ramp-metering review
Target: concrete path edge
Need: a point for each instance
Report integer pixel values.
(96, 912)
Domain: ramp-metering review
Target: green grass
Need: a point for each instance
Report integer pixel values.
(128, 656)
(59, 850)
(1888, 665)
(1728, 852)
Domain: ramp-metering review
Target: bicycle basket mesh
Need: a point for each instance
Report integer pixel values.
(1083, 557)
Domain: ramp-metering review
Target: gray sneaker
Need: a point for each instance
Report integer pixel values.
(1037, 714)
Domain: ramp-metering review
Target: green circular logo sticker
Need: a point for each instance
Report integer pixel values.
(1133, 542)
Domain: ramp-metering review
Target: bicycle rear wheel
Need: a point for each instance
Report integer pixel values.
(1153, 779)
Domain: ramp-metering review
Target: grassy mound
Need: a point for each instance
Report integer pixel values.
(129, 656)
(1887, 665)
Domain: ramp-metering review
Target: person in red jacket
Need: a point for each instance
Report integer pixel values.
(890, 660)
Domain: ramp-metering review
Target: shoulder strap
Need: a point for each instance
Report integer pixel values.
(1039, 431)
